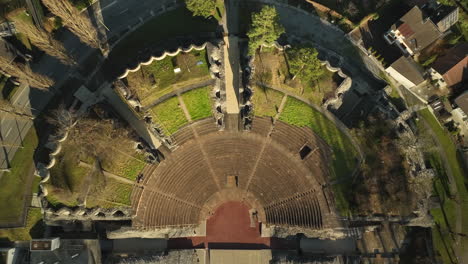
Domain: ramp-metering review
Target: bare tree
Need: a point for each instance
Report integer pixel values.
(44, 41)
(98, 138)
(25, 73)
(9, 109)
(76, 22)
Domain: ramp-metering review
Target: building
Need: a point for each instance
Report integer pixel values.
(406, 71)
(44, 244)
(451, 69)
(56, 250)
(462, 103)
(413, 32)
(8, 255)
(419, 28)
(444, 17)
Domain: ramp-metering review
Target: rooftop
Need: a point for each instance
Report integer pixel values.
(408, 68)
(450, 59)
(419, 31)
(462, 101)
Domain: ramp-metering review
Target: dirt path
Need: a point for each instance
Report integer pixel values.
(109, 175)
(184, 108)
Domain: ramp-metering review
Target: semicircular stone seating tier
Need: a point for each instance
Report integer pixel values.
(212, 167)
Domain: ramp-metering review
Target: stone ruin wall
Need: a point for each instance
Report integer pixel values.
(215, 60)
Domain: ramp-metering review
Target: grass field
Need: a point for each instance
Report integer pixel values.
(33, 228)
(266, 101)
(128, 166)
(157, 79)
(114, 194)
(169, 115)
(178, 22)
(445, 216)
(198, 103)
(299, 114)
(13, 183)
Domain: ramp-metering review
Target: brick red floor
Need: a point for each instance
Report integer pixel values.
(229, 228)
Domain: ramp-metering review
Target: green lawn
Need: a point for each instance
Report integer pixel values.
(198, 103)
(114, 194)
(443, 240)
(266, 102)
(178, 22)
(299, 114)
(169, 115)
(33, 229)
(13, 183)
(159, 78)
(125, 165)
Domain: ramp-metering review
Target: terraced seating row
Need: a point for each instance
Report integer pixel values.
(137, 187)
(294, 138)
(178, 189)
(183, 135)
(301, 210)
(277, 176)
(186, 175)
(170, 211)
(205, 126)
(261, 125)
(225, 161)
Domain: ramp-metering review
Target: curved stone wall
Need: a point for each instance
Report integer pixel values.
(164, 55)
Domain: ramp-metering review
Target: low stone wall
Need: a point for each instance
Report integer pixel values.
(159, 232)
(215, 61)
(83, 214)
(164, 55)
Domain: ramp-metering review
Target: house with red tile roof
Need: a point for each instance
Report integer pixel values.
(451, 69)
(419, 28)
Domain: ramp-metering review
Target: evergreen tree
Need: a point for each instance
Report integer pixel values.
(265, 28)
(303, 62)
(204, 8)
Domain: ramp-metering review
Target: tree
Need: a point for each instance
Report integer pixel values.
(303, 62)
(78, 23)
(25, 73)
(44, 41)
(9, 109)
(204, 8)
(265, 28)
